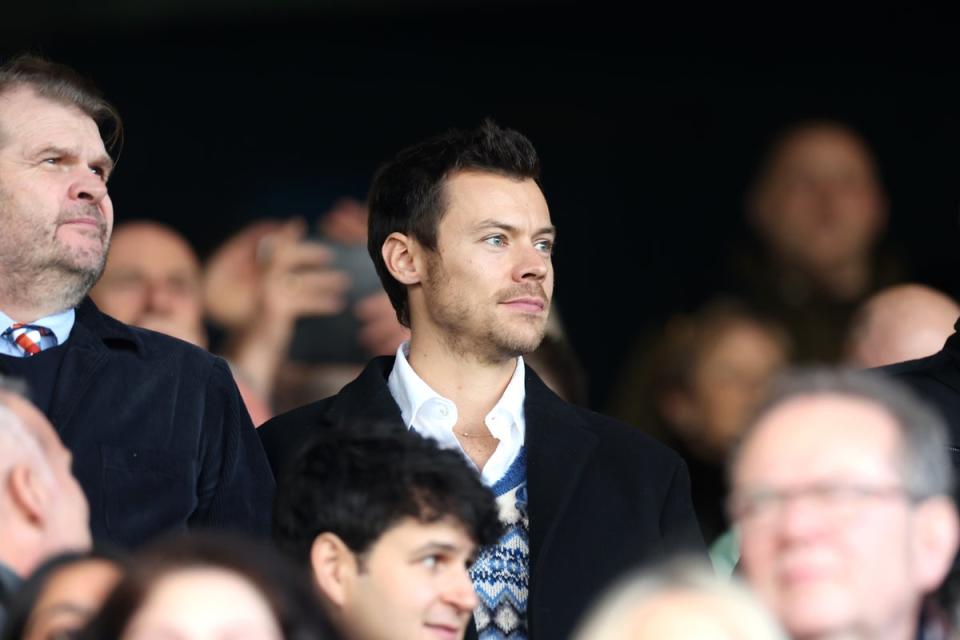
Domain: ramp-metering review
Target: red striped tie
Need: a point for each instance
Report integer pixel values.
(26, 337)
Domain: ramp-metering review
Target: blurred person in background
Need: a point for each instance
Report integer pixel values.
(159, 435)
(201, 586)
(42, 509)
(818, 210)
(696, 386)
(63, 594)
(899, 323)
(153, 280)
(302, 311)
(841, 495)
(682, 599)
(390, 525)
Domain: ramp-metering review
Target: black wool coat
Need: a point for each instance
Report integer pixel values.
(603, 497)
(161, 440)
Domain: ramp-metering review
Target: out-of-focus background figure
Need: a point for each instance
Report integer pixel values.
(696, 387)
(900, 323)
(684, 600)
(818, 210)
(301, 311)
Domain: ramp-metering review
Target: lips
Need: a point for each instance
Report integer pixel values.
(446, 631)
(527, 304)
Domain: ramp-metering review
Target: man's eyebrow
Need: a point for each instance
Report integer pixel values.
(498, 224)
(446, 547)
(104, 162)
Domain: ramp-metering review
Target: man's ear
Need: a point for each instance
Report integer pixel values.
(28, 494)
(399, 253)
(936, 536)
(334, 567)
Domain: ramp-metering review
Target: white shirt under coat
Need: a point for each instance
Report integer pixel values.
(433, 416)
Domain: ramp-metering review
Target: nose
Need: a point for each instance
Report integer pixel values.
(88, 187)
(460, 592)
(801, 518)
(157, 297)
(531, 264)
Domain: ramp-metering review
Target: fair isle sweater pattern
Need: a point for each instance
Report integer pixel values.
(501, 573)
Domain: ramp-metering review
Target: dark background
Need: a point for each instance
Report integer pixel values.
(649, 123)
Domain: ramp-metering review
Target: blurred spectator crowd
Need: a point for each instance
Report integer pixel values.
(813, 399)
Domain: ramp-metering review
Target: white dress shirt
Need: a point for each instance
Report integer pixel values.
(433, 416)
(60, 324)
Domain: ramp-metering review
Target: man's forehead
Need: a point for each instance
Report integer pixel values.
(483, 193)
(823, 432)
(32, 121)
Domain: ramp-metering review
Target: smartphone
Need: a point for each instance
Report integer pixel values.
(334, 338)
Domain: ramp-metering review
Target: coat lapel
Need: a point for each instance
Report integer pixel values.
(558, 447)
(367, 399)
(85, 355)
(951, 375)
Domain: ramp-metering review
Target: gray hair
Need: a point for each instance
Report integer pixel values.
(923, 454)
(611, 618)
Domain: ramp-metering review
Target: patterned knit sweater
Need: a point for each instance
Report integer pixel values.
(501, 573)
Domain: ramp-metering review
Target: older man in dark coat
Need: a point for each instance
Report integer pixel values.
(159, 436)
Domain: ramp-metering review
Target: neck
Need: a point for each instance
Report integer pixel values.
(26, 302)
(473, 383)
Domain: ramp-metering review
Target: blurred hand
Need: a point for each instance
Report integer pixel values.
(296, 278)
(381, 333)
(231, 274)
(346, 222)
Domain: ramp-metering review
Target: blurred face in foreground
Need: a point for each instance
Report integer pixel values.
(412, 584)
(72, 595)
(203, 604)
(830, 539)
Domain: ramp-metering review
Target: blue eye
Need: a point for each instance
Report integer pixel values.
(431, 562)
(495, 241)
(546, 246)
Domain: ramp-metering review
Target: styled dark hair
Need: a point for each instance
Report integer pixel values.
(62, 84)
(407, 192)
(357, 483)
(26, 597)
(287, 589)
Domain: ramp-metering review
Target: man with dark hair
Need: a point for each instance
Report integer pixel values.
(388, 523)
(462, 238)
(159, 436)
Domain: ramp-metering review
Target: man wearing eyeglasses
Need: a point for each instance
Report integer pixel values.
(840, 491)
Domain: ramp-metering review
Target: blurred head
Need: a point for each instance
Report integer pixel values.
(411, 193)
(817, 202)
(840, 493)
(209, 586)
(152, 280)
(900, 323)
(679, 600)
(711, 369)
(43, 510)
(389, 523)
(62, 595)
(54, 207)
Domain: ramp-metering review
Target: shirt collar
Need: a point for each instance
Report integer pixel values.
(411, 393)
(60, 324)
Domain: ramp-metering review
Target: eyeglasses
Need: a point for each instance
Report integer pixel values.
(832, 501)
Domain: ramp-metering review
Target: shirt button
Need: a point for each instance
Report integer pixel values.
(444, 412)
